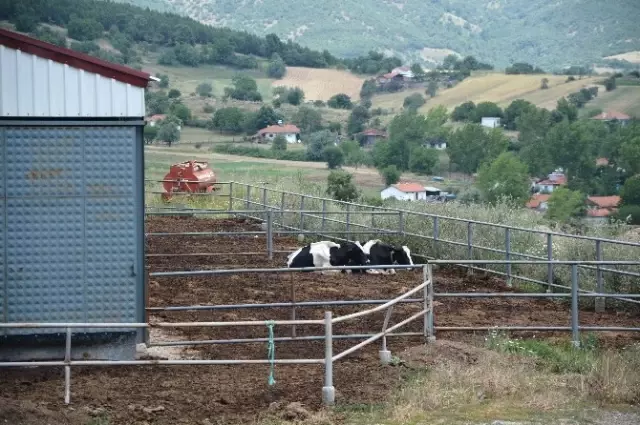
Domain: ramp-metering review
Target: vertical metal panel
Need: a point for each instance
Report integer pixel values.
(33, 86)
(3, 226)
(111, 245)
(75, 235)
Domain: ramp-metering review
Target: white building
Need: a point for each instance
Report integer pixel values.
(405, 192)
(290, 132)
(437, 144)
(491, 122)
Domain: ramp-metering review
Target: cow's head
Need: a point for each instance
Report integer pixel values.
(349, 253)
(402, 255)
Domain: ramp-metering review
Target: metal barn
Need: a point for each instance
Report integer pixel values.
(72, 207)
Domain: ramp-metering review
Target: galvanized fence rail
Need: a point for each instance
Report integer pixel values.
(328, 389)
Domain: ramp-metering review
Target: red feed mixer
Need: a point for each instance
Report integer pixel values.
(189, 177)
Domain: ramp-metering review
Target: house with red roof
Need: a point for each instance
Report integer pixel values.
(612, 115)
(539, 202)
(371, 135)
(405, 191)
(290, 132)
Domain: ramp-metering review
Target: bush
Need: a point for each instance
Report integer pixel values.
(391, 175)
(340, 186)
(629, 214)
(208, 109)
(413, 102)
(174, 94)
(334, 157)
(204, 90)
(256, 152)
(340, 101)
(279, 143)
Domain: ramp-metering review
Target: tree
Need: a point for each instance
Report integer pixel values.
(464, 112)
(295, 96)
(168, 132)
(514, 111)
(244, 88)
(204, 90)
(505, 177)
(157, 102)
(181, 111)
(568, 111)
(357, 119)
(264, 117)
(340, 101)
(164, 80)
(279, 143)
(174, 94)
(307, 119)
(418, 72)
(471, 145)
(630, 155)
(565, 205)
(423, 160)
(340, 186)
(486, 109)
(610, 84)
(84, 29)
(413, 102)
(317, 142)
(150, 133)
(630, 193)
(432, 88)
(544, 83)
(334, 157)
(390, 174)
(369, 88)
(276, 67)
(229, 120)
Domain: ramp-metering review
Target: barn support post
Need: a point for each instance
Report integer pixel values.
(247, 204)
(264, 199)
(470, 246)
(427, 276)
(600, 301)
(324, 215)
(348, 226)
(507, 251)
(549, 265)
(67, 368)
(270, 234)
(436, 236)
(230, 196)
(575, 331)
(282, 205)
(328, 390)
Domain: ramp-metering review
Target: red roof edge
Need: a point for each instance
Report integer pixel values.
(75, 59)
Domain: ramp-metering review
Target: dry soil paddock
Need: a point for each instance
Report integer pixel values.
(191, 394)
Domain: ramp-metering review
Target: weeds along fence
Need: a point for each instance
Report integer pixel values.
(431, 236)
(424, 291)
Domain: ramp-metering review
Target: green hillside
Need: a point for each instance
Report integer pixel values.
(551, 33)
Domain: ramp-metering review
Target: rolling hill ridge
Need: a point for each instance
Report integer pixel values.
(551, 33)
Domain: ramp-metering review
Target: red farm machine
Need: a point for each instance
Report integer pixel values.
(189, 177)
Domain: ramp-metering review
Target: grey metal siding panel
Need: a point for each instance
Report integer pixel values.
(74, 231)
(3, 226)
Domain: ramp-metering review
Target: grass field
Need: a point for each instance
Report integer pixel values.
(633, 57)
(624, 99)
(499, 88)
(321, 84)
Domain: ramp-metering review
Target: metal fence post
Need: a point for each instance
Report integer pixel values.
(428, 331)
(575, 332)
(436, 235)
(507, 250)
(301, 213)
(549, 265)
(247, 204)
(401, 223)
(67, 368)
(328, 390)
(264, 199)
(470, 246)
(348, 227)
(599, 302)
(270, 234)
(231, 196)
(324, 215)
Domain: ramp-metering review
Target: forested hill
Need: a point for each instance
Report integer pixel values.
(125, 26)
(549, 33)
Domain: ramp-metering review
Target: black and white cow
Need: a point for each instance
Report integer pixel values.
(382, 254)
(327, 254)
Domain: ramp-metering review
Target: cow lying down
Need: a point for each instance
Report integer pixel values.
(328, 254)
(382, 254)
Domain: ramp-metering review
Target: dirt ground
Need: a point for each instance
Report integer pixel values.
(226, 394)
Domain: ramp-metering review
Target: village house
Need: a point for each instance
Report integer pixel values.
(611, 115)
(539, 202)
(600, 208)
(401, 74)
(491, 122)
(554, 180)
(439, 144)
(405, 191)
(290, 132)
(154, 119)
(370, 136)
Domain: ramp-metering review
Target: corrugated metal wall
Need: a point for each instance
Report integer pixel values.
(72, 241)
(31, 86)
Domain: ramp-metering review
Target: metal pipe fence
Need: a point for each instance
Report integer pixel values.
(432, 236)
(328, 389)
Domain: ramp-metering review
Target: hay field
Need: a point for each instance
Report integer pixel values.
(624, 99)
(499, 88)
(633, 57)
(321, 84)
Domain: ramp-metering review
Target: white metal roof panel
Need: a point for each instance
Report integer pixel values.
(31, 86)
